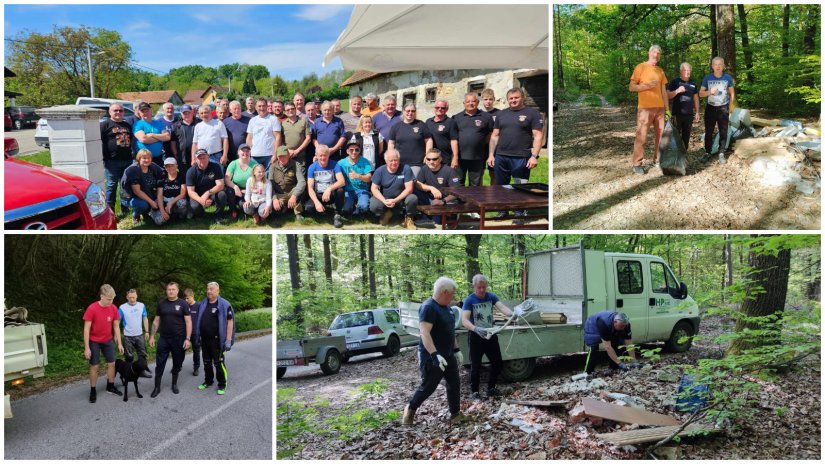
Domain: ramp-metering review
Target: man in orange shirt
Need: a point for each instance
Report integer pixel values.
(649, 81)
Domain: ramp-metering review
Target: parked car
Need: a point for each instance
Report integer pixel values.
(39, 198)
(371, 331)
(10, 146)
(7, 124)
(22, 116)
(41, 135)
(89, 101)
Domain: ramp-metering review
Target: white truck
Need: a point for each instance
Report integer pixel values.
(24, 355)
(578, 283)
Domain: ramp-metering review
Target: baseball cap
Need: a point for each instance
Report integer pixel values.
(185, 108)
(200, 152)
(144, 106)
(170, 160)
(242, 146)
(283, 151)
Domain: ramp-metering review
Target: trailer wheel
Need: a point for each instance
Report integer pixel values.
(516, 370)
(681, 330)
(332, 363)
(281, 372)
(393, 347)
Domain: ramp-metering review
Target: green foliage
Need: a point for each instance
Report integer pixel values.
(592, 100)
(253, 319)
(294, 418)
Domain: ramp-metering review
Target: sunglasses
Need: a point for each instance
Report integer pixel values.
(431, 159)
(117, 111)
(441, 107)
(356, 149)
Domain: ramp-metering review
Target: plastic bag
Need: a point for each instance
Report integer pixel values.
(672, 152)
(524, 307)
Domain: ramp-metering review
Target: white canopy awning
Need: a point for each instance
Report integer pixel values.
(386, 38)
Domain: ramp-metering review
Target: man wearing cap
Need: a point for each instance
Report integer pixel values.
(172, 197)
(610, 330)
(296, 135)
(183, 131)
(204, 185)
(210, 135)
(325, 185)
(150, 133)
(288, 184)
(357, 172)
(263, 134)
(236, 125)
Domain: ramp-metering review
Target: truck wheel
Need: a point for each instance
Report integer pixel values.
(516, 370)
(681, 330)
(393, 347)
(332, 364)
(281, 372)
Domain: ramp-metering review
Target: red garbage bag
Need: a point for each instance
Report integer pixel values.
(672, 152)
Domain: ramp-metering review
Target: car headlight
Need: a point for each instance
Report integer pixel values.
(95, 200)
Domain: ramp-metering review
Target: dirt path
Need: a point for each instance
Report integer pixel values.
(594, 187)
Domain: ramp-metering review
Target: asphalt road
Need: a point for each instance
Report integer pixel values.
(193, 425)
(25, 139)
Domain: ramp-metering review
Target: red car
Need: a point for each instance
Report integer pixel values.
(41, 198)
(10, 146)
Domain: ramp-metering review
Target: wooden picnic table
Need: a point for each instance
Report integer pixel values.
(493, 198)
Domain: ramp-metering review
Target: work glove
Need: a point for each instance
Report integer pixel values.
(636, 365)
(228, 345)
(623, 367)
(438, 361)
(668, 114)
(459, 357)
(481, 331)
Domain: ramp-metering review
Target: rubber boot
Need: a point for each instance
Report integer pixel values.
(175, 384)
(409, 416)
(156, 391)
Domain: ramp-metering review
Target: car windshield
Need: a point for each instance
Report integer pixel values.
(349, 320)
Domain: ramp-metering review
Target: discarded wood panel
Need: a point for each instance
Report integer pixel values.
(762, 122)
(594, 407)
(554, 318)
(540, 404)
(770, 146)
(632, 437)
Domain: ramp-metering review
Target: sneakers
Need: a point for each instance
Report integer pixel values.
(336, 222)
(476, 397)
(204, 386)
(706, 157)
(409, 224)
(638, 170)
(299, 217)
(722, 159)
(385, 217)
(221, 391)
(111, 388)
(492, 392)
(219, 220)
(93, 395)
(656, 165)
(408, 417)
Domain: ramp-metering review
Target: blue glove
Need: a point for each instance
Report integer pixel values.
(636, 365)
(438, 361)
(228, 345)
(481, 331)
(623, 367)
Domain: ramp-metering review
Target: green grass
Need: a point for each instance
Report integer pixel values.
(254, 319)
(592, 100)
(540, 174)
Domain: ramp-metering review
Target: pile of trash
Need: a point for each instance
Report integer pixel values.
(784, 152)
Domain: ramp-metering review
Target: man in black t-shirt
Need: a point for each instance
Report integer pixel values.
(172, 189)
(516, 140)
(444, 133)
(684, 100)
(183, 132)
(474, 129)
(433, 179)
(204, 186)
(174, 322)
(116, 138)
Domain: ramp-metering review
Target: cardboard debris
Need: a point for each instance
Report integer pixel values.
(541, 404)
(633, 437)
(766, 146)
(594, 407)
(553, 318)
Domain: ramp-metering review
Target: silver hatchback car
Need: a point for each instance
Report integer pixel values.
(372, 331)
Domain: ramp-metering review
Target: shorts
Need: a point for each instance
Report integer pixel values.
(108, 349)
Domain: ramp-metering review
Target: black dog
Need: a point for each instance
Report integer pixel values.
(130, 371)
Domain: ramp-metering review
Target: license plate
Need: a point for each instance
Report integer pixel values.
(286, 362)
(352, 346)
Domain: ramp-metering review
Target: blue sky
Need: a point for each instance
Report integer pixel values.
(290, 40)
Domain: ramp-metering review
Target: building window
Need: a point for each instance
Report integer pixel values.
(408, 98)
(430, 95)
(476, 87)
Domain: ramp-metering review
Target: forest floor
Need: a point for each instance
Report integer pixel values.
(788, 425)
(595, 188)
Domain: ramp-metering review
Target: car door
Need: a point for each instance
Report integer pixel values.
(631, 293)
(662, 301)
(394, 323)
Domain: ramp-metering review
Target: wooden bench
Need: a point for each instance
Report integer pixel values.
(447, 210)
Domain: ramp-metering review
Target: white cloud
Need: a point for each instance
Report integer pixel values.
(233, 15)
(322, 12)
(138, 26)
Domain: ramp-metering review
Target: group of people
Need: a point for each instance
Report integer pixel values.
(679, 99)
(278, 157)
(206, 326)
(439, 356)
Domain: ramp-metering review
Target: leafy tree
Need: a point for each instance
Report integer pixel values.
(257, 71)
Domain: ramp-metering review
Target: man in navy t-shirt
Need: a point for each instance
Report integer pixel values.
(204, 186)
(438, 354)
(684, 102)
(610, 330)
(516, 140)
(392, 189)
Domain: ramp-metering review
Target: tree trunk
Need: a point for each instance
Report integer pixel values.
(729, 259)
(294, 274)
(327, 259)
(407, 284)
(746, 49)
(371, 265)
(726, 37)
(362, 248)
(786, 30)
(310, 263)
(557, 28)
(764, 294)
(809, 41)
(714, 42)
(472, 241)
(814, 284)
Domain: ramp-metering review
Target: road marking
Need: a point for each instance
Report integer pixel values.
(182, 433)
